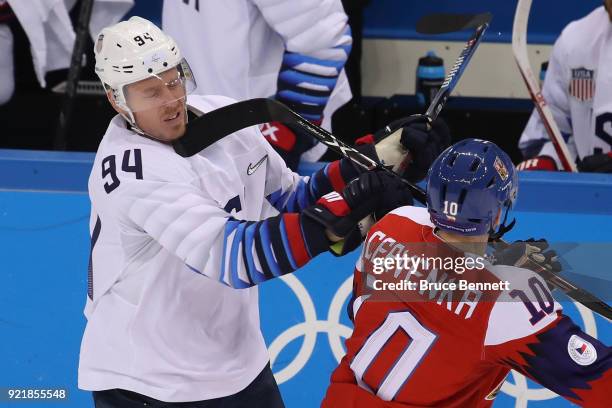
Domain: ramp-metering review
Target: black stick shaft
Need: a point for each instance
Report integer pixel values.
(452, 78)
(74, 73)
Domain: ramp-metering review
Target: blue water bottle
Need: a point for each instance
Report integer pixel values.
(429, 77)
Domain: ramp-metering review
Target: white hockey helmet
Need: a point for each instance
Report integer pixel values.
(136, 50)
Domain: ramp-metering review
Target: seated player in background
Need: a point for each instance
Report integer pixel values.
(578, 90)
(179, 244)
(50, 32)
(441, 348)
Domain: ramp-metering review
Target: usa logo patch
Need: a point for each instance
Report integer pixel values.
(582, 85)
(581, 351)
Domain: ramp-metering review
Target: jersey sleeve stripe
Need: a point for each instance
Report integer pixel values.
(255, 274)
(266, 245)
(288, 250)
(236, 259)
(299, 249)
(280, 251)
(335, 177)
(261, 256)
(304, 198)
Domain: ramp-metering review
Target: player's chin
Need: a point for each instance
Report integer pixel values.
(174, 128)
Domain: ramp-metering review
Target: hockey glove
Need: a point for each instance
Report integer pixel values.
(347, 216)
(520, 252)
(546, 163)
(409, 145)
(596, 163)
(376, 192)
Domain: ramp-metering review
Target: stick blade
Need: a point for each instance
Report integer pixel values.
(441, 23)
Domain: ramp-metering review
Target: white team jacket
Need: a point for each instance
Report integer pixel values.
(49, 29)
(581, 107)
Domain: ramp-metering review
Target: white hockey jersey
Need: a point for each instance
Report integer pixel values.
(578, 89)
(235, 47)
(50, 32)
(159, 222)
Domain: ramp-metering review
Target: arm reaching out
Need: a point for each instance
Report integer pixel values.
(318, 41)
(538, 341)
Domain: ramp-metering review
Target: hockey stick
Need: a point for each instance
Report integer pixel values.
(441, 23)
(219, 123)
(61, 134)
(390, 147)
(232, 118)
(457, 70)
(215, 125)
(519, 48)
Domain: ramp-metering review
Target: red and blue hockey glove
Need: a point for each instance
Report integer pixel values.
(347, 216)
(545, 163)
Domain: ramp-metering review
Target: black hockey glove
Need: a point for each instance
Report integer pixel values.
(596, 163)
(520, 252)
(423, 142)
(376, 192)
(346, 216)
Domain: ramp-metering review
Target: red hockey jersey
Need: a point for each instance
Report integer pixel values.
(439, 351)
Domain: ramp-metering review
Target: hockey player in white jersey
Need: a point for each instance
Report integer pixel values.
(578, 89)
(294, 50)
(178, 245)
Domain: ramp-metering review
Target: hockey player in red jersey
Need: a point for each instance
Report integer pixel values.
(432, 347)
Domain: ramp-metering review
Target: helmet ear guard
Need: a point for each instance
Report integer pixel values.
(503, 228)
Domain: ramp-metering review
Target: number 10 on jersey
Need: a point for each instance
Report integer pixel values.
(398, 327)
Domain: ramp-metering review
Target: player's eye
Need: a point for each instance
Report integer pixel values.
(152, 94)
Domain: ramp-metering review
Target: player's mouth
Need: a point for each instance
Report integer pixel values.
(173, 118)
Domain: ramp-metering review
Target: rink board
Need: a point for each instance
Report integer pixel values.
(44, 244)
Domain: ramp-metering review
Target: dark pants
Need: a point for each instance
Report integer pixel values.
(261, 393)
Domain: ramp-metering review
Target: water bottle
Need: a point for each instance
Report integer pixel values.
(543, 69)
(429, 77)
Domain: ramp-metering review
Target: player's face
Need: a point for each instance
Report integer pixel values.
(159, 105)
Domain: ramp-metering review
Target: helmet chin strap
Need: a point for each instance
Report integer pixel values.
(503, 228)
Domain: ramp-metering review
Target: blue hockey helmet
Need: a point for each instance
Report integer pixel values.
(467, 186)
